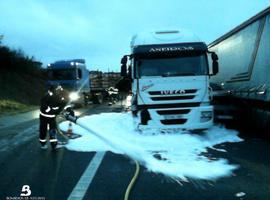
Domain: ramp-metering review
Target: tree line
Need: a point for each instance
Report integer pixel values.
(16, 60)
(22, 78)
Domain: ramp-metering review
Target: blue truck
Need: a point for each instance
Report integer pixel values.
(73, 76)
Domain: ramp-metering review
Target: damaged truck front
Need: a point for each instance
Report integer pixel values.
(169, 72)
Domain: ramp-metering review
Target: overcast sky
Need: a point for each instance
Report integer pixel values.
(100, 31)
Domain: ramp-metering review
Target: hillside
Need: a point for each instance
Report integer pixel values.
(22, 81)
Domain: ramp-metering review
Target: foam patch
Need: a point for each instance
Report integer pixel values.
(180, 155)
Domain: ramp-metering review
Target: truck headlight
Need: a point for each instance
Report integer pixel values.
(73, 96)
(206, 116)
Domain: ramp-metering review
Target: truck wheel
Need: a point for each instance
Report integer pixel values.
(100, 99)
(95, 99)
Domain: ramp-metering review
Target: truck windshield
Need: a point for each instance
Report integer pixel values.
(176, 66)
(62, 74)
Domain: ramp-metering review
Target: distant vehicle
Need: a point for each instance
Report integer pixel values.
(113, 95)
(100, 84)
(169, 71)
(244, 70)
(73, 76)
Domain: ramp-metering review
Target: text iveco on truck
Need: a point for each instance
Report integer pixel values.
(169, 71)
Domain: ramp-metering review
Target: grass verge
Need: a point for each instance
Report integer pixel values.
(9, 107)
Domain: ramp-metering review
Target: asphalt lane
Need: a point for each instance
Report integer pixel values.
(49, 174)
(11, 137)
(250, 181)
(53, 175)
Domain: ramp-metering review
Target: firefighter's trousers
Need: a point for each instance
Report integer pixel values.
(45, 123)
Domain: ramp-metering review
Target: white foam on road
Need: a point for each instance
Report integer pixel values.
(180, 155)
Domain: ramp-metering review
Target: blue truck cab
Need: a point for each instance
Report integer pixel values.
(73, 76)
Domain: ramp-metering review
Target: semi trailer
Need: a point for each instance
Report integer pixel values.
(169, 74)
(243, 80)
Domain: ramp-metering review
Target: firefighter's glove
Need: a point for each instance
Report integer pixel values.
(70, 115)
(69, 111)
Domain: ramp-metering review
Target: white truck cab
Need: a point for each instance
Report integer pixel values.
(169, 71)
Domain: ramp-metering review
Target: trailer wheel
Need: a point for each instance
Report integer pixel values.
(97, 98)
(100, 99)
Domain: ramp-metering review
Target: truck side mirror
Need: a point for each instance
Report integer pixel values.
(215, 64)
(129, 72)
(124, 60)
(123, 70)
(124, 66)
(215, 67)
(214, 56)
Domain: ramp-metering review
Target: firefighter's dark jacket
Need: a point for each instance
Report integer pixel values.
(52, 104)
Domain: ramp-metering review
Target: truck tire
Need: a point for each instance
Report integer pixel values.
(100, 99)
(97, 98)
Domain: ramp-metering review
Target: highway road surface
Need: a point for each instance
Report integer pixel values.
(65, 174)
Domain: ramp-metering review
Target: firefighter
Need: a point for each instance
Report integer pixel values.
(52, 104)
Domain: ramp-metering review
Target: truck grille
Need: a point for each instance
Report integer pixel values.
(173, 121)
(68, 87)
(170, 112)
(172, 95)
(168, 105)
(173, 112)
(166, 98)
(189, 91)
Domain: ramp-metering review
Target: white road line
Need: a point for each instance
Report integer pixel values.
(81, 187)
